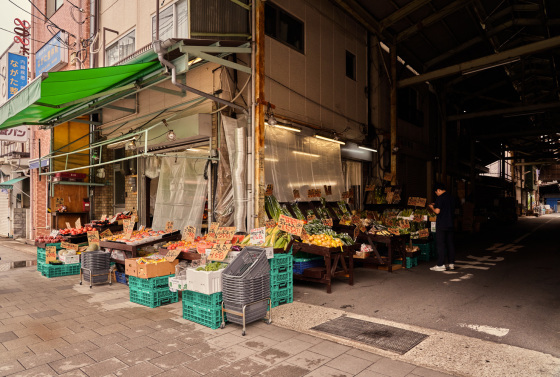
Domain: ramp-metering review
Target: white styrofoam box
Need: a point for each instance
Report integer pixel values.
(207, 282)
(177, 284)
(69, 259)
(231, 256)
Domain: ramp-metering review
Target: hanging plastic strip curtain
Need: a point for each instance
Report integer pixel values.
(295, 162)
(181, 193)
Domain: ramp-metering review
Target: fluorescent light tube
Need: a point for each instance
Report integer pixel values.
(367, 149)
(306, 154)
(289, 128)
(329, 139)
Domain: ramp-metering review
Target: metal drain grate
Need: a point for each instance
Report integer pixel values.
(381, 336)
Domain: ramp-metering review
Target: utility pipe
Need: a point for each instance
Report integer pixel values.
(394, 149)
(258, 151)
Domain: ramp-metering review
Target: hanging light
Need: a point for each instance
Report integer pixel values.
(170, 134)
(131, 145)
(271, 121)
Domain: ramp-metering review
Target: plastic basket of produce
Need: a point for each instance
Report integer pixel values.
(151, 283)
(281, 261)
(197, 298)
(153, 298)
(57, 270)
(207, 316)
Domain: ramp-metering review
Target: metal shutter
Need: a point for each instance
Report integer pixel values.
(4, 214)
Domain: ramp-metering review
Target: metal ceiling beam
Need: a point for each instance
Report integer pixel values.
(510, 110)
(402, 13)
(531, 132)
(363, 16)
(532, 48)
(454, 51)
(120, 108)
(168, 91)
(444, 12)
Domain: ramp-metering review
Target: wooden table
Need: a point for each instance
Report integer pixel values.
(133, 248)
(333, 257)
(395, 245)
(185, 255)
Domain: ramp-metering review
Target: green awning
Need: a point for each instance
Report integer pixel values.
(56, 92)
(8, 185)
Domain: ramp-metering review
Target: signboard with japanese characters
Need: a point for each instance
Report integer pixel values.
(16, 73)
(327, 222)
(270, 224)
(258, 236)
(189, 233)
(219, 252)
(225, 234)
(212, 231)
(18, 134)
(50, 253)
(290, 225)
(52, 56)
(93, 237)
(269, 190)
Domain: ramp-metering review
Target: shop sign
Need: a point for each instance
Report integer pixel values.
(258, 236)
(296, 194)
(93, 237)
(189, 233)
(270, 224)
(17, 73)
(212, 231)
(18, 134)
(290, 225)
(269, 190)
(69, 246)
(327, 222)
(52, 56)
(219, 252)
(50, 253)
(225, 234)
(168, 226)
(22, 35)
(106, 233)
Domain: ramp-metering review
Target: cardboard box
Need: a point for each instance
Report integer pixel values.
(130, 267)
(152, 270)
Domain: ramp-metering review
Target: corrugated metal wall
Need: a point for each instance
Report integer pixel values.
(218, 17)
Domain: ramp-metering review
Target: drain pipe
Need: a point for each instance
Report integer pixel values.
(160, 49)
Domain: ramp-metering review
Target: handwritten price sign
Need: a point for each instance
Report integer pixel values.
(212, 231)
(50, 253)
(290, 225)
(225, 234)
(69, 246)
(106, 233)
(93, 237)
(356, 220)
(78, 223)
(269, 190)
(219, 252)
(104, 217)
(189, 233)
(68, 226)
(423, 233)
(169, 226)
(327, 222)
(270, 224)
(172, 255)
(328, 190)
(296, 194)
(258, 236)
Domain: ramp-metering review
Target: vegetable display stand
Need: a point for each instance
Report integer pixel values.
(334, 258)
(185, 255)
(396, 248)
(133, 248)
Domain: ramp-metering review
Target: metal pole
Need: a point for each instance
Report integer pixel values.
(258, 153)
(157, 20)
(394, 113)
(443, 138)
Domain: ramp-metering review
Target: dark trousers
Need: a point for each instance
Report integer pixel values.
(445, 246)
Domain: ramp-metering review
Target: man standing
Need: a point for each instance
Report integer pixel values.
(443, 208)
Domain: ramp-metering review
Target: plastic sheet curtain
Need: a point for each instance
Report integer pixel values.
(353, 179)
(181, 193)
(296, 162)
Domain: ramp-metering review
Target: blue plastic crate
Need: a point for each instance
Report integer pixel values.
(299, 266)
(120, 277)
(209, 316)
(153, 298)
(151, 283)
(191, 297)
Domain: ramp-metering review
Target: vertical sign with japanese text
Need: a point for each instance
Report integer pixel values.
(17, 73)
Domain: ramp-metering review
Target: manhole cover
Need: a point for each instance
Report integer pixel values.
(381, 336)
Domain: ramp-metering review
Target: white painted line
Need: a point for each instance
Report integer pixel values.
(521, 238)
(496, 331)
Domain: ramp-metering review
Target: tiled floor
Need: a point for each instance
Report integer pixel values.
(52, 327)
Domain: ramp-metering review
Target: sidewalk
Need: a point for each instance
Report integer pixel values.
(16, 254)
(52, 327)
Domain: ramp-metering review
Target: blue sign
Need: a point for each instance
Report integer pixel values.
(52, 55)
(17, 73)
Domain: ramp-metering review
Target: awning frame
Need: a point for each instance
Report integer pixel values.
(11, 182)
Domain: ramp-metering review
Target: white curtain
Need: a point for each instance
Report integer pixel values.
(295, 162)
(181, 193)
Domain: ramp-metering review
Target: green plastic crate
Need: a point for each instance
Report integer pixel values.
(196, 298)
(284, 293)
(57, 270)
(209, 316)
(40, 265)
(281, 301)
(281, 261)
(153, 298)
(410, 262)
(282, 285)
(277, 277)
(148, 284)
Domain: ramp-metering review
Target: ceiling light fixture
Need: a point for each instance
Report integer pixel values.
(306, 154)
(170, 134)
(494, 65)
(131, 145)
(289, 128)
(367, 148)
(329, 139)
(271, 121)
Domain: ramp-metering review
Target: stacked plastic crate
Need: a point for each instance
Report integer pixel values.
(281, 279)
(202, 301)
(151, 292)
(42, 255)
(55, 270)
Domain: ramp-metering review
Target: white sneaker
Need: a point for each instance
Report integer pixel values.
(438, 268)
(451, 267)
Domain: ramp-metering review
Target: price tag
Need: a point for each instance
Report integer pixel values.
(81, 249)
(311, 217)
(327, 222)
(310, 193)
(225, 234)
(106, 233)
(189, 233)
(328, 190)
(390, 197)
(68, 226)
(212, 231)
(270, 224)
(104, 217)
(269, 190)
(128, 228)
(394, 231)
(370, 187)
(421, 202)
(345, 195)
(296, 194)
(423, 233)
(412, 201)
(219, 252)
(54, 233)
(59, 202)
(356, 220)
(345, 219)
(50, 253)
(388, 177)
(172, 255)
(290, 225)
(93, 237)
(168, 226)
(69, 246)
(356, 233)
(258, 236)
(78, 223)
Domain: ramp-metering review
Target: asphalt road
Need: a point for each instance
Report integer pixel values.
(506, 288)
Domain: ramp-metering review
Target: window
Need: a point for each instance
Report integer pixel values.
(167, 27)
(283, 27)
(120, 49)
(53, 6)
(350, 65)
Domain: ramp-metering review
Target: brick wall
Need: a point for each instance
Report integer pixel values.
(103, 195)
(131, 198)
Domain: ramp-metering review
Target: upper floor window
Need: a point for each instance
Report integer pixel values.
(120, 49)
(172, 22)
(284, 27)
(52, 6)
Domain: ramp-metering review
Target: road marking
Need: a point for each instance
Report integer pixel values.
(464, 277)
(496, 331)
(522, 237)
